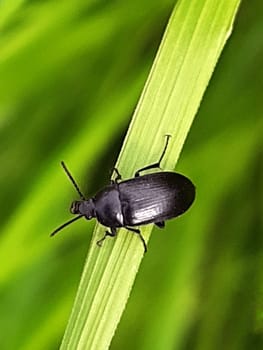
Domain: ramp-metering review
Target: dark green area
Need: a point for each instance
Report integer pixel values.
(70, 75)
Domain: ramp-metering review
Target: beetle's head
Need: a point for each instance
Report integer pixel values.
(83, 207)
(74, 208)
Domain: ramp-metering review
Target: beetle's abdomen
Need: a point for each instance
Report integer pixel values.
(108, 207)
(155, 197)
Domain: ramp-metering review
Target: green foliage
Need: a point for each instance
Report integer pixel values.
(70, 75)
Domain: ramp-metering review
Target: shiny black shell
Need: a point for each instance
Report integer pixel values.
(155, 197)
(150, 198)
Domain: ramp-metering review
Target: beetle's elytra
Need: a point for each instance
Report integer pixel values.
(144, 199)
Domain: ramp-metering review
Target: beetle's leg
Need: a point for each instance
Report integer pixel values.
(160, 224)
(151, 166)
(112, 233)
(118, 177)
(138, 232)
(158, 164)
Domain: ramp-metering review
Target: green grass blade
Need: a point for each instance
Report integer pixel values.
(184, 64)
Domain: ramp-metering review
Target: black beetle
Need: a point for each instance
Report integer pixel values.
(150, 198)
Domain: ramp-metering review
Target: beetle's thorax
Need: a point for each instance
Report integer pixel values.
(83, 207)
(109, 207)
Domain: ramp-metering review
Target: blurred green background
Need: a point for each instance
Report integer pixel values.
(70, 75)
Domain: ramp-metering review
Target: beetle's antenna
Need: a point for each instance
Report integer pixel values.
(72, 180)
(66, 224)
